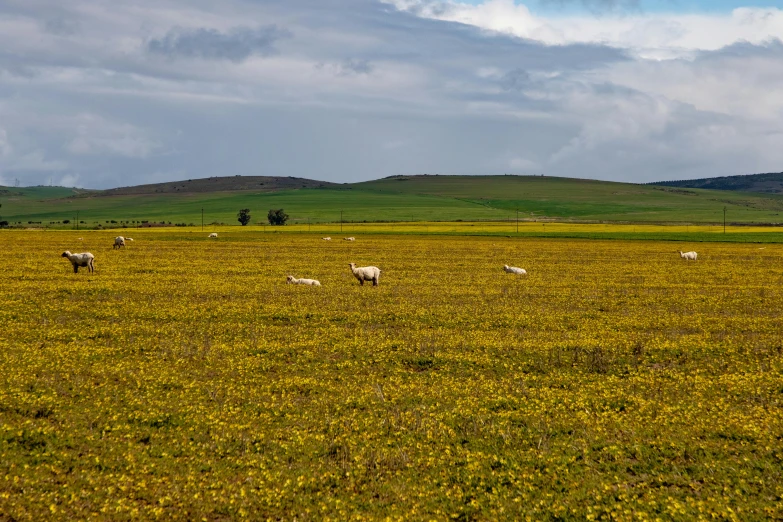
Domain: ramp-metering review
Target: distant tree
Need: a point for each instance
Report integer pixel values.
(277, 217)
(244, 216)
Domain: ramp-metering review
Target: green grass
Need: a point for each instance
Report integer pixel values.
(582, 199)
(418, 198)
(316, 204)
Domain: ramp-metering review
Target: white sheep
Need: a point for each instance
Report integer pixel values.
(213, 234)
(514, 270)
(326, 238)
(119, 242)
(128, 239)
(80, 239)
(349, 239)
(83, 259)
(688, 255)
(291, 280)
(366, 273)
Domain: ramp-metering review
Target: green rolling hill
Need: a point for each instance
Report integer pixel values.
(398, 198)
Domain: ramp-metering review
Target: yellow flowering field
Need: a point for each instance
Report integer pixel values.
(184, 380)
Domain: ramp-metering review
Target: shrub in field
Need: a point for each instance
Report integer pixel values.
(244, 216)
(277, 217)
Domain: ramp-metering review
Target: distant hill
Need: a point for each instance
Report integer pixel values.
(40, 192)
(397, 198)
(771, 183)
(219, 184)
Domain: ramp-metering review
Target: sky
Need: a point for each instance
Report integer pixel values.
(100, 94)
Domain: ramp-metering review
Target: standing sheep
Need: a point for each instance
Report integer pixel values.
(119, 242)
(291, 280)
(366, 273)
(83, 259)
(688, 255)
(514, 270)
(213, 234)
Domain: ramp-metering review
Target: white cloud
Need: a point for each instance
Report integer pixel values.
(524, 165)
(34, 161)
(69, 180)
(658, 35)
(96, 135)
(5, 146)
(339, 90)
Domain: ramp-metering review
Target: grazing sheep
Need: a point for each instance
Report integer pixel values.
(349, 238)
(366, 273)
(326, 238)
(119, 242)
(83, 259)
(213, 234)
(514, 270)
(128, 239)
(79, 238)
(688, 255)
(291, 280)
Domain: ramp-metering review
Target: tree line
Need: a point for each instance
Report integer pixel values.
(274, 216)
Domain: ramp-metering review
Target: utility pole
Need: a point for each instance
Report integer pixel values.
(202, 219)
(341, 221)
(77, 220)
(517, 221)
(724, 220)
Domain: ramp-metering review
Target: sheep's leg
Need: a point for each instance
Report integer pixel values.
(92, 267)
(75, 269)
(375, 281)
(361, 281)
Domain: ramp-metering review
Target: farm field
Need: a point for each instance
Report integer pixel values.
(184, 380)
(509, 229)
(400, 199)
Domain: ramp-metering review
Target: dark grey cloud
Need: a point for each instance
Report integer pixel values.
(210, 44)
(515, 80)
(60, 25)
(352, 66)
(773, 49)
(346, 68)
(364, 90)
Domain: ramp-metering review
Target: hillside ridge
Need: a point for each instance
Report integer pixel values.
(219, 184)
(768, 183)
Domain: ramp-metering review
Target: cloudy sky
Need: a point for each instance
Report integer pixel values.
(100, 93)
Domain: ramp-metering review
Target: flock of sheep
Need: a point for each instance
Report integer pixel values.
(362, 273)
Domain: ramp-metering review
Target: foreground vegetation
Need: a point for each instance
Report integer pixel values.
(403, 198)
(185, 380)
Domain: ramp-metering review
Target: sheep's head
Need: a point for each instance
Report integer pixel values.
(289, 279)
(66, 253)
(352, 265)
(505, 267)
